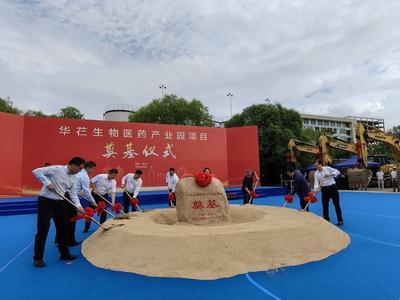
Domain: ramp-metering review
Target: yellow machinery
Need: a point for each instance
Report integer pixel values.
(363, 135)
(296, 145)
(327, 141)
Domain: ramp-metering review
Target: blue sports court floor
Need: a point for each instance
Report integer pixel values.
(368, 269)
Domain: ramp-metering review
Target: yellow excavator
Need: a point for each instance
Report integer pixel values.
(300, 146)
(364, 134)
(327, 141)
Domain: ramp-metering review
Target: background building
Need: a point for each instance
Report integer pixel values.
(370, 122)
(341, 128)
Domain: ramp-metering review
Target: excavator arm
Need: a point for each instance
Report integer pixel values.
(296, 145)
(325, 142)
(363, 135)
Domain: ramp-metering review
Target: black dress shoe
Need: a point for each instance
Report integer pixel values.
(340, 223)
(38, 263)
(68, 257)
(74, 243)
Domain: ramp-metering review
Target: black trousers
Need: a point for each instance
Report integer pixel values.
(303, 203)
(174, 201)
(71, 212)
(51, 209)
(246, 197)
(331, 192)
(128, 202)
(103, 216)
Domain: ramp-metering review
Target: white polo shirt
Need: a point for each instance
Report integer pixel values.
(171, 181)
(63, 181)
(321, 178)
(103, 185)
(131, 184)
(83, 186)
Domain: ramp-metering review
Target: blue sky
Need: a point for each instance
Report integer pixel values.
(333, 58)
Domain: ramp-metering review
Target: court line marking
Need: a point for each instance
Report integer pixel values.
(15, 257)
(373, 240)
(252, 281)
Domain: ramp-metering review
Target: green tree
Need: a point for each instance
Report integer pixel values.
(276, 125)
(6, 105)
(70, 112)
(34, 113)
(173, 110)
(395, 131)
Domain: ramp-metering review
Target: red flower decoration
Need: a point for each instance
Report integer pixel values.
(135, 201)
(89, 212)
(253, 194)
(117, 207)
(289, 198)
(306, 198)
(171, 197)
(101, 206)
(312, 197)
(203, 179)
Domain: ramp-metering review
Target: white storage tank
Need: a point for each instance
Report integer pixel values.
(118, 112)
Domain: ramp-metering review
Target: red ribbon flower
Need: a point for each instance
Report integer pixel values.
(203, 179)
(87, 214)
(135, 201)
(117, 207)
(312, 197)
(171, 197)
(253, 194)
(289, 198)
(101, 206)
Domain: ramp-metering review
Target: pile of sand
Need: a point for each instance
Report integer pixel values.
(258, 238)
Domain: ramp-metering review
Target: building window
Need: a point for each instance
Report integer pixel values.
(306, 121)
(338, 124)
(313, 122)
(320, 122)
(342, 131)
(333, 124)
(326, 123)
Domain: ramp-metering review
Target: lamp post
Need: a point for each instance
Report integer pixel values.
(162, 87)
(230, 95)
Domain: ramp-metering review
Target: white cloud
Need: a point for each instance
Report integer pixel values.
(322, 57)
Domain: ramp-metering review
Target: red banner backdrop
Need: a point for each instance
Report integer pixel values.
(11, 136)
(154, 148)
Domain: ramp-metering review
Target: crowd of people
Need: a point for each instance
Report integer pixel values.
(72, 183)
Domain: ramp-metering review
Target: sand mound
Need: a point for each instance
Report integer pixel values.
(258, 238)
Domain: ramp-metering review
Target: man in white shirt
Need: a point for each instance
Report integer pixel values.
(103, 184)
(82, 188)
(395, 182)
(324, 177)
(380, 177)
(171, 180)
(132, 183)
(56, 180)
